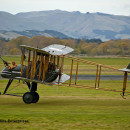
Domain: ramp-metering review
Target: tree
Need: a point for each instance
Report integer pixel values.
(15, 51)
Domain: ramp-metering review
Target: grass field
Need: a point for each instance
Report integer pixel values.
(65, 108)
(68, 108)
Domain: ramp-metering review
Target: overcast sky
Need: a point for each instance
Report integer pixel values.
(118, 7)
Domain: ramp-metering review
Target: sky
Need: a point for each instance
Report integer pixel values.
(116, 7)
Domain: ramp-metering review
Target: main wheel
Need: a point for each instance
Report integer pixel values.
(28, 97)
(36, 97)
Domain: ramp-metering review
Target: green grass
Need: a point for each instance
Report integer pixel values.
(66, 108)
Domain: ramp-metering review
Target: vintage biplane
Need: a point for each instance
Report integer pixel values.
(45, 66)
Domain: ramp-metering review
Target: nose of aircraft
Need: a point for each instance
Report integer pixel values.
(5, 73)
(11, 73)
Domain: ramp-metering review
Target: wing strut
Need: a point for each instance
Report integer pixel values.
(61, 69)
(9, 83)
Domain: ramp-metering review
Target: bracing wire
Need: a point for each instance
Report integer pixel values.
(18, 85)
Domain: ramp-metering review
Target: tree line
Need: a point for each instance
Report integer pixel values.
(90, 47)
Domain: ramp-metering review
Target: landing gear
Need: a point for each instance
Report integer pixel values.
(30, 97)
(9, 83)
(36, 97)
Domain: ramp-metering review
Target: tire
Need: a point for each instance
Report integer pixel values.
(28, 97)
(36, 97)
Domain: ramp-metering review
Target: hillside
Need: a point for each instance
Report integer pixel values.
(31, 33)
(74, 24)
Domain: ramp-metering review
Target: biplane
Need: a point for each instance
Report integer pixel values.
(45, 66)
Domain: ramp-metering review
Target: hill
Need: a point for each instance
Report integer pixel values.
(74, 24)
(31, 33)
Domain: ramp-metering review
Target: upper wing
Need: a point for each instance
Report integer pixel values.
(57, 49)
(34, 49)
(52, 49)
